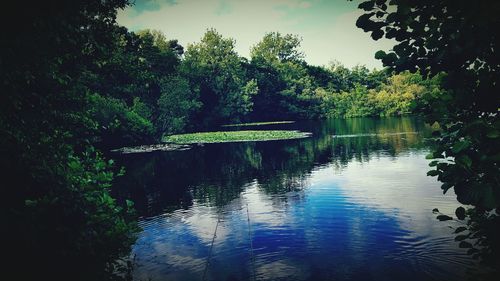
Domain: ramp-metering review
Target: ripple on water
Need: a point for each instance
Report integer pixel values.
(362, 220)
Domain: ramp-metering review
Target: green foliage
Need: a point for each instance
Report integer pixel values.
(249, 90)
(290, 91)
(456, 38)
(79, 227)
(176, 105)
(401, 94)
(276, 48)
(157, 39)
(344, 79)
(215, 67)
(289, 88)
(234, 136)
(62, 222)
(119, 124)
(133, 74)
(478, 234)
(141, 109)
(159, 55)
(356, 103)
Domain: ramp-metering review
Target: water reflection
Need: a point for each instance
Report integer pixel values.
(322, 208)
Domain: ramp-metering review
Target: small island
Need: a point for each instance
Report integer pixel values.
(235, 136)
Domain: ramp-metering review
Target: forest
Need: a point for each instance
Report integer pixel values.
(75, 84)
(151, 86)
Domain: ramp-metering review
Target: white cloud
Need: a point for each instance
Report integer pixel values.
(262, 209)
(395, 188)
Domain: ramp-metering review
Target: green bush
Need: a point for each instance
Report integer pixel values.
(119, 124)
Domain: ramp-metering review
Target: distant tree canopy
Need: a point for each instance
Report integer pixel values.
(460, 39)
(277, 48)
(216, 69)
(210, 84)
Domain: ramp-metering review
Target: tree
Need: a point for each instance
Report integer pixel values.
(345, 79)
(355, 103)
(55, 194)
(214, 65)
(298, 98)
(277, 48)
(289, 92)
(131, 77)
(176, 105)
(457, 38)
(120, 124)
(399, 95)
(161, 56)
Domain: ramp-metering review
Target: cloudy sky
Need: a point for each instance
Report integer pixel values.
(327, 27)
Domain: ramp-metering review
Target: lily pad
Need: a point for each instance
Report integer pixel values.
(235, 136)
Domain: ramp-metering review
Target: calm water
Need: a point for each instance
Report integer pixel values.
(352, 202)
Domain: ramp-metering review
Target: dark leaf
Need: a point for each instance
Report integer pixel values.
(367, 5)
(493, 134)
(460, 213)
(392, 17)
(433, 173)
(444, 218)
(465, 244)
(459, 146)
(380, 55)
(389, 59)
(464, 160)
(472, 251)
(445, 186)
(377, 34)
(364, 21)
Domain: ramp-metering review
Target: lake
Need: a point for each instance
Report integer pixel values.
(351, 202)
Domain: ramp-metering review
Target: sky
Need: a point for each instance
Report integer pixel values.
(327, 27)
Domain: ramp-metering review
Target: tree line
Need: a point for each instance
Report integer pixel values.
(151, 86)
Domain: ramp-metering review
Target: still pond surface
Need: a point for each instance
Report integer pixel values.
(351, 202)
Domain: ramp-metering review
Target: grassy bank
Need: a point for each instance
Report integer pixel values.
(234, 136)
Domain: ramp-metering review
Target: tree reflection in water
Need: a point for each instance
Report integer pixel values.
(217, 173)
